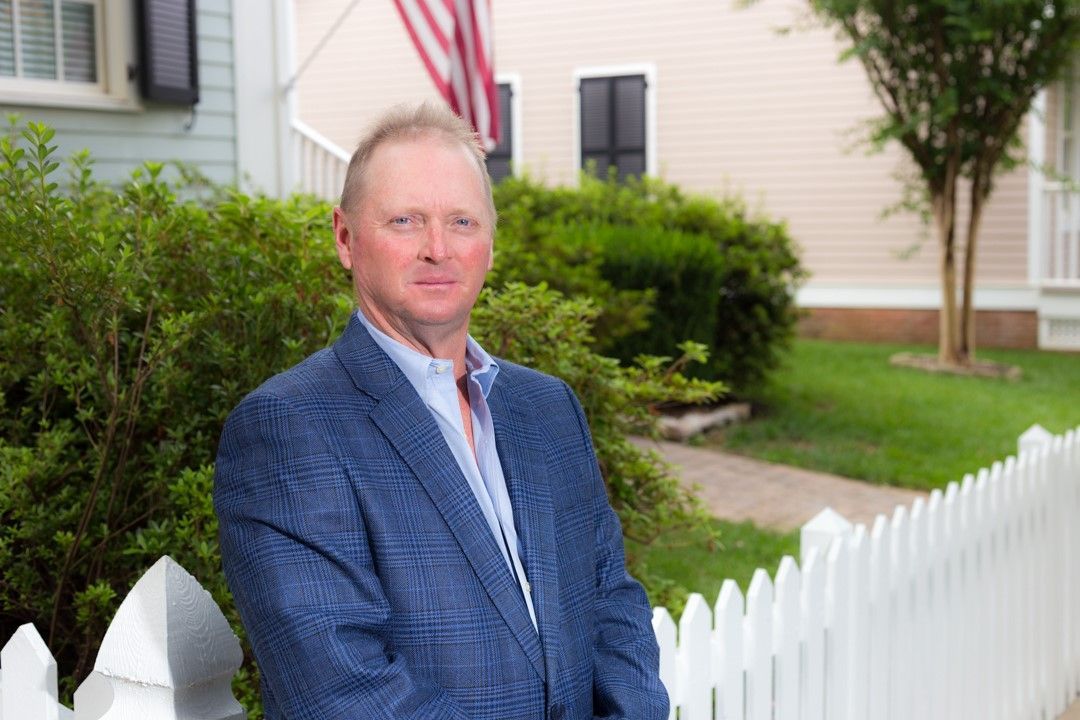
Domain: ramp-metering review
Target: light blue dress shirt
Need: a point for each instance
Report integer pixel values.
(433, 379)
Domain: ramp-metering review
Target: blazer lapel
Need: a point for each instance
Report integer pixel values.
(408, 425)
(522, 457)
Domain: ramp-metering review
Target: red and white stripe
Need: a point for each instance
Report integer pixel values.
(453, 38)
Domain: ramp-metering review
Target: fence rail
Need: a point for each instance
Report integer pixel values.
(963, 606)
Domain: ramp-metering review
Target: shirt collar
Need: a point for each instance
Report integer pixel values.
(415, 365)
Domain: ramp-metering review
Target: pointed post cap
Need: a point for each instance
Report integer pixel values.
(819, 532)
(1033, 438)
(169, 632)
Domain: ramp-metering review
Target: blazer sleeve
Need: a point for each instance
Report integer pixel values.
(296, 556)
(626, 672)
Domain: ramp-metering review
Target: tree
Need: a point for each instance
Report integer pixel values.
(956, 78)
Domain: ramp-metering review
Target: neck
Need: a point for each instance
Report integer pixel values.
(435, 342)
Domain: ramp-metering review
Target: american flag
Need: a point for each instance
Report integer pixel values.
(453, 38)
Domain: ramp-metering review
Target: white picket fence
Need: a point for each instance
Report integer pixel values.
(965, 606)
(169, 654)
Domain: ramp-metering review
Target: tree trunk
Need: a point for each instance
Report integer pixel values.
(967, 318)
(944, 205)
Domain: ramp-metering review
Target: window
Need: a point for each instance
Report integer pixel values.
(613, 112)
(54, 52)
(50, 40)
(499, 159)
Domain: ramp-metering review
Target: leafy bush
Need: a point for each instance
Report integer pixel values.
(131, 322)
(681, 270)
(130, 325)
(558, 232)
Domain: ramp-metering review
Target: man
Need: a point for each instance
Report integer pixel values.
(410, 528)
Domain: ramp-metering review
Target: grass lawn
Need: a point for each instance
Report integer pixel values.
(693, 563)
(840, 407)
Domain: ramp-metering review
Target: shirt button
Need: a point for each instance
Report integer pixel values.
(440, 369)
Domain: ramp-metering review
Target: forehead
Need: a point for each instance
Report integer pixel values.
(425, 169)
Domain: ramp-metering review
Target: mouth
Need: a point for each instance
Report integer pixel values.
(435, 283)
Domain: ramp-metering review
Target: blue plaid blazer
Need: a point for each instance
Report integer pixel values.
(371, 586)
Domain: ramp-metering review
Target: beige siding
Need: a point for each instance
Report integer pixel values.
(740, 107)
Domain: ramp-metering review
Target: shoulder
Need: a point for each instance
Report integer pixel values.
(530, 384)
(302, 390)
(548, 398)
(317, 374)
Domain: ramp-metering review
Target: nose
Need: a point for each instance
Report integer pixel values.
(435, 247)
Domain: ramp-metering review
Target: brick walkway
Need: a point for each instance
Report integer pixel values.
(775, 496)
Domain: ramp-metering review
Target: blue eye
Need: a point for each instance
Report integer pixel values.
(401, 220)
(463, 222)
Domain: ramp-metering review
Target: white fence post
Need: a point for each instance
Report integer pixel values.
(820, 531)
(1034, 439)
(169, 654)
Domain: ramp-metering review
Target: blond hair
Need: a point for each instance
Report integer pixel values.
(409, 122)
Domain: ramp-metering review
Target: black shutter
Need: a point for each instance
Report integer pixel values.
(498, 160)
(170, 67)
(629, 108)
(613, 124)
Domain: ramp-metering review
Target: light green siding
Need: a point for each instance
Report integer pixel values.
(120, 140)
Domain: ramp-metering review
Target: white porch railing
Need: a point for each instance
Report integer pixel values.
(966, 606)
(319, 164)
(1060, 258)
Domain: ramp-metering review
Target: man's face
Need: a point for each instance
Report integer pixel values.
(418, 241)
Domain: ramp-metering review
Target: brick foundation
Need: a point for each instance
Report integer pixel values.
(993, 328)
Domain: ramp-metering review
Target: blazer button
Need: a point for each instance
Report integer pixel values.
(557, 712)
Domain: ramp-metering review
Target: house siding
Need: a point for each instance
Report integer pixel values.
(121, 140)
(741, 108)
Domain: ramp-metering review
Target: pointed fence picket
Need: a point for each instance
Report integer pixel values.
(731, 691)
(965, 605)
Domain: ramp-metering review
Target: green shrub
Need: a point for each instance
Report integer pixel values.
(682, 270)
(532, 250)
(132, 322)
(754, 309)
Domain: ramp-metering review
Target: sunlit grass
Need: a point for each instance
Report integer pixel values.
(840, 407)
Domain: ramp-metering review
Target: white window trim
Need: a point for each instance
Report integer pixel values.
(909, 297)
(646, 69)
(113, 91)
(514, 81)
(1037, 205)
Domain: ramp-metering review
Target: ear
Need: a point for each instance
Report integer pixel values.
(342, 238)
